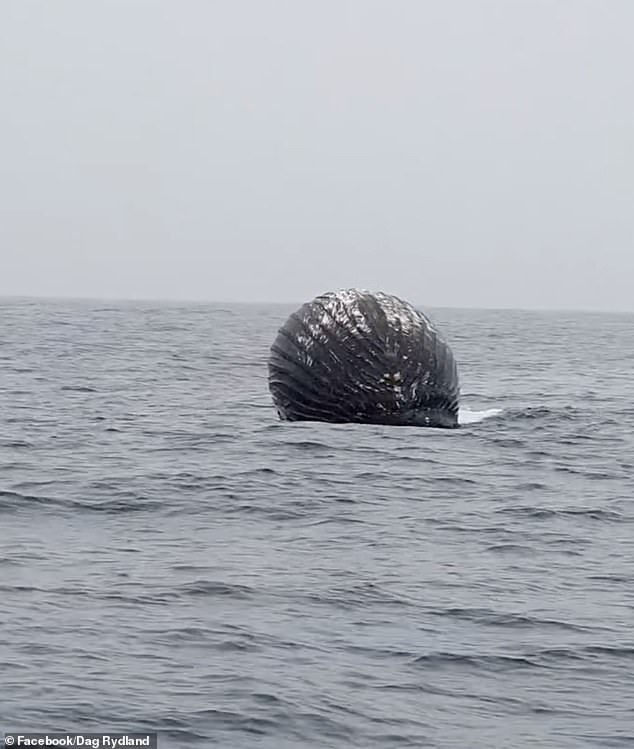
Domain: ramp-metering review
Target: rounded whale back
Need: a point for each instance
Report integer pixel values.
(357, 356)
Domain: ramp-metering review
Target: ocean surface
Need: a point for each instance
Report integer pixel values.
(174, 559)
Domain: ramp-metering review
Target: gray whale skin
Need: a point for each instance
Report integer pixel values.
(361, 357)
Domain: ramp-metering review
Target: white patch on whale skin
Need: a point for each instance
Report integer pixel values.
(399, 314)
(342, 307)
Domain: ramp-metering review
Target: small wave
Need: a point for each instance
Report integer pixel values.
(214, 588)
(590, 653)
(511, 549)
(467, 416)
(12, 501)
(485, 662)
(310, 446)
(507, 619)
(558, 413)
(592, 513)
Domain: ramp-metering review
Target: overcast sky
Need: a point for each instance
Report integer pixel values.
(455, 152)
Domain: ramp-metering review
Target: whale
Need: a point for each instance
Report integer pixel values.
(363, 357)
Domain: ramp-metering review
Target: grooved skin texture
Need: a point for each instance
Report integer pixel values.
(363, 357)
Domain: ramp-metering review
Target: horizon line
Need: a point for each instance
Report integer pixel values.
(256, 302)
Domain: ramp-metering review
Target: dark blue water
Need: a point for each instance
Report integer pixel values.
(173, 559)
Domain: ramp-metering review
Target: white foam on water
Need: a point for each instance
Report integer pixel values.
(467, 416)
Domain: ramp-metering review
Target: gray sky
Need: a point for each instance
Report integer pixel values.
(458, 153)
